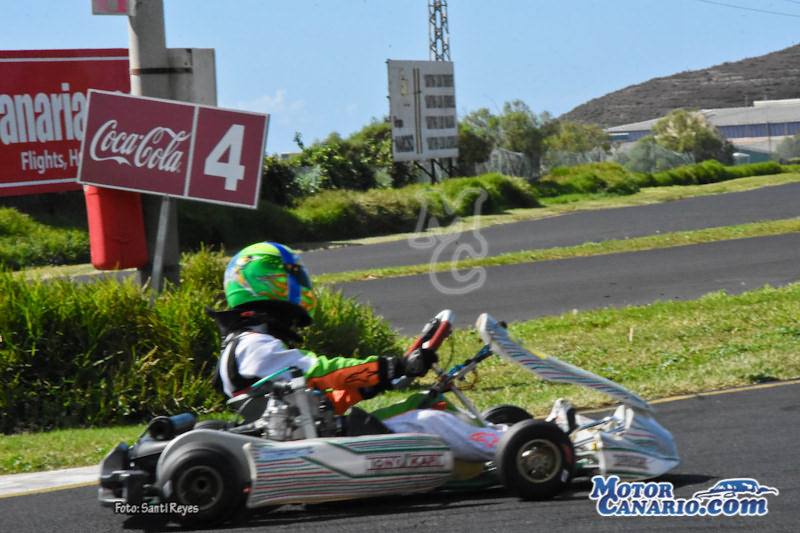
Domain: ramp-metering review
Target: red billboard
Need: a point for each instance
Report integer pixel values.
(43, 100)
(173, 148)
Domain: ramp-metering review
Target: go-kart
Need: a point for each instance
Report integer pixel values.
(288, 446)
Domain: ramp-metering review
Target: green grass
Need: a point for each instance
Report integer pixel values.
(659, 350)
(63, 448)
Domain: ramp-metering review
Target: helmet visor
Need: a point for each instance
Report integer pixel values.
(299, 273)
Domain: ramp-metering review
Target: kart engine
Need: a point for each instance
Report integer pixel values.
(284, 418)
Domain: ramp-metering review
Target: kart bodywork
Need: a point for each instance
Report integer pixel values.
(313, 457)
(629, 443)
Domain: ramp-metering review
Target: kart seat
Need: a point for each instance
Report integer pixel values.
(359, 422)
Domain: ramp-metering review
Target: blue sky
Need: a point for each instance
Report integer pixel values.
(318, 66)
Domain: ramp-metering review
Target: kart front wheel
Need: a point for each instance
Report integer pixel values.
(535, 460)
(205, 488)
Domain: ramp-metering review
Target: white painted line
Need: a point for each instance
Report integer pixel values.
(18, 484)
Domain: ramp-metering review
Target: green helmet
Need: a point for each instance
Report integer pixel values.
(272, 274)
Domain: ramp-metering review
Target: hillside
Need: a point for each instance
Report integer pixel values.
(733, 84)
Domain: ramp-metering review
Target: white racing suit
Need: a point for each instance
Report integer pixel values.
(259, 354)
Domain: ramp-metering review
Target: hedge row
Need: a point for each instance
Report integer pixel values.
(345, 214)
(25, 242)
(613, 178)
(102, 353)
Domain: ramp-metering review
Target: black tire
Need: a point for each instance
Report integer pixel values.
(505, 414)
(535, 460)
(207, 484)
(212, 424)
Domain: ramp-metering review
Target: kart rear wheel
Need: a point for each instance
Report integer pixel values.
(505, 414)
(535, 460)
(212, 424)
(207, 486)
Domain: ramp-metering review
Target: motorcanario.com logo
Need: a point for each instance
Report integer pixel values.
(729, 497)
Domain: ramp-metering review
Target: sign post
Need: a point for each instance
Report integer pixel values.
(149, 77)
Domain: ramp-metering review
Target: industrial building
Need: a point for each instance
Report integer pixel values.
(755, 130)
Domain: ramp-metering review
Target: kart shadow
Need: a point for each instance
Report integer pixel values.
(376, 507)
(580, 488)
(685, 480)
(308, 514)
(317, 514)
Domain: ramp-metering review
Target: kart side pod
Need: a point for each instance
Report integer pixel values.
(320, 469)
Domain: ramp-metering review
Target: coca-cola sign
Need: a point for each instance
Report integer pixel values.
(43, 98)
(174, 148)
(139, 150)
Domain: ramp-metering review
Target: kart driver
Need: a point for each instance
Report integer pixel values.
(269, 294)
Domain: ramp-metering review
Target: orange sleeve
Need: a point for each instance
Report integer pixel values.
(343, 399)
(349, 377)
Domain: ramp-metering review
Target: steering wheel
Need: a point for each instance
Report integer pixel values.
(435, 332)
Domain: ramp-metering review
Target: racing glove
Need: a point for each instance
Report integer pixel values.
(418, 362)
(390, 368)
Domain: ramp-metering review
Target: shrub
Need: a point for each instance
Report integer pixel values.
(234, 227)
(26, 242)
(502, 192)
(102, 353)
(333, 215)
(279, 184)
(713, 171)
(588, 179)
(613, 178)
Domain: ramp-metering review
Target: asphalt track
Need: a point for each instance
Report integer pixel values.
(744, 433)
(543, 288)
(768, 203)
(530, 290)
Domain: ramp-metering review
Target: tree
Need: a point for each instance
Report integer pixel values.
(574, 144)
(647, 156)
(788, 148)
(374, 144)
(339, 167)
(686, 132)
(278, 183)
(522, 130)
(474, 146)
(574, 137)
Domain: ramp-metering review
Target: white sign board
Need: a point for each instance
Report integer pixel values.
(173, 148)
(422, 108)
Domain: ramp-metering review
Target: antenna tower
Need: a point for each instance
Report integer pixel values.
(438, 31)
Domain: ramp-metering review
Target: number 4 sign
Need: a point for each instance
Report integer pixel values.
(173, 148)
(232, 170)
(227, 154)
